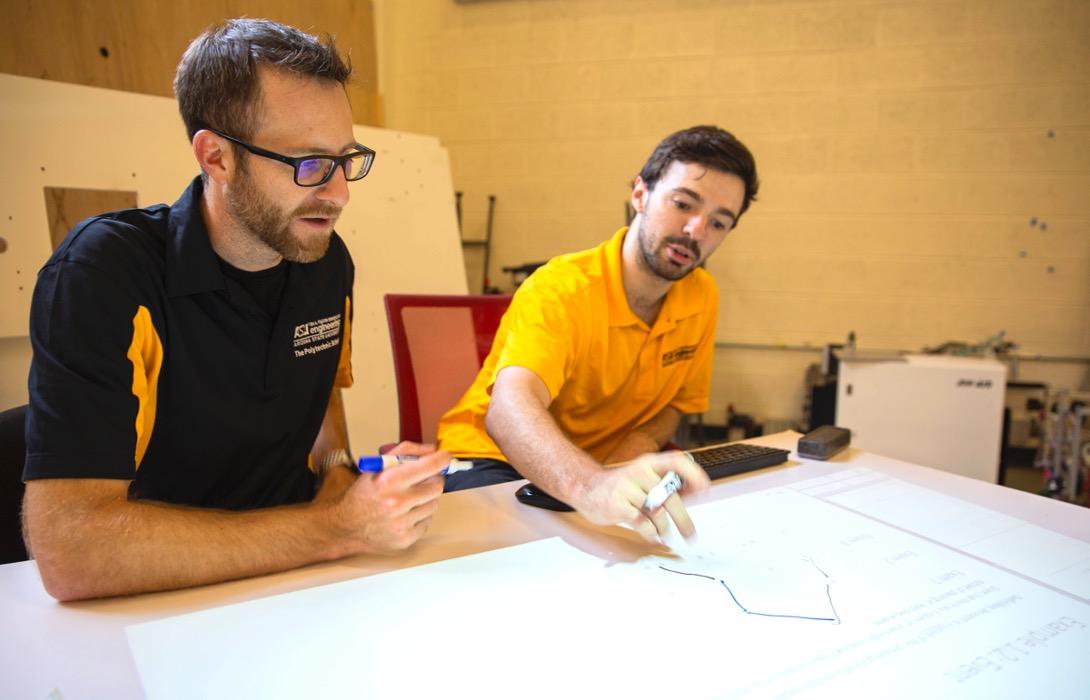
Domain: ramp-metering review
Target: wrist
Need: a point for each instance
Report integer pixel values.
(648, 442)
(334, 475)
(581, 482)
(336, 458)
(634, 444)
(329, 511)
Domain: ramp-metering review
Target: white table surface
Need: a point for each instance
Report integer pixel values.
(79, 650)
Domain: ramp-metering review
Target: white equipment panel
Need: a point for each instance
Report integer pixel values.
(936, 410)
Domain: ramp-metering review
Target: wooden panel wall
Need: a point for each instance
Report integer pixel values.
(134, 45)
(405, 205)
(67, 206)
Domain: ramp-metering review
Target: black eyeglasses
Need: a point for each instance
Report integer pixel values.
(312, 171)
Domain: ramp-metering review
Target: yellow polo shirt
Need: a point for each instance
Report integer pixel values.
(606, 371)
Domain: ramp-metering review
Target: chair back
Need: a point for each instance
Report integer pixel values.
(439, 344)
(12, 458)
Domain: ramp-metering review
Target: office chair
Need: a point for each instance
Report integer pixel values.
(439, 344)
(12, 457)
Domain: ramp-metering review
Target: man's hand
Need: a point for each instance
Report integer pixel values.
(518, 420)
(91, 540)
(389, 511)
(411, 448)
(616, 496)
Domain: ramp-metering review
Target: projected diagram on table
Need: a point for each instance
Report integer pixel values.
(804, 597)
(782, 611)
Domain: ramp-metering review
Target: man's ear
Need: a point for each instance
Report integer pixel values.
(640, 193)
(214, 155)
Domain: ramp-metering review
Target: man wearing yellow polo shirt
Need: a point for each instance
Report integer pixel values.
(603, 350)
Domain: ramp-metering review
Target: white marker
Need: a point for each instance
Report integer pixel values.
(663, 490)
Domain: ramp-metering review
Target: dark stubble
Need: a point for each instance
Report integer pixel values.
(654, 259)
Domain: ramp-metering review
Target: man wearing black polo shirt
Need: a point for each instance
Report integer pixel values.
(185, 401)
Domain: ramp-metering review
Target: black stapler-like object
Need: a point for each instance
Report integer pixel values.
(532, 495)
(824, 442)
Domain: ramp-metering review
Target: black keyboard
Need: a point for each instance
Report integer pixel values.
(736, 458)
(717, 460)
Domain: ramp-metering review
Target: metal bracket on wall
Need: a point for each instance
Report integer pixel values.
(486, 243)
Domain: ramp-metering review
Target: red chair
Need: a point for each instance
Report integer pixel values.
(12, 457)
(439, 343)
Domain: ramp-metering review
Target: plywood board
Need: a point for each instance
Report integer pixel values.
(400, 225)
(135, 45)
(67, 207)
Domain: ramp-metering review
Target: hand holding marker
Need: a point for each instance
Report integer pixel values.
(377, 463)
(668, 486)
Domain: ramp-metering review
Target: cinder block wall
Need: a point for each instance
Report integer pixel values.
(925, 164)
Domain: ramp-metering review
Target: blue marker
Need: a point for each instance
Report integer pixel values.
(377, 463)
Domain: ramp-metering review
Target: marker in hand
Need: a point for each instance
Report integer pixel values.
(374, 464)
(662, 490)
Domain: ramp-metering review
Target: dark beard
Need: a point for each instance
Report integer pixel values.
(270, 225)
(658, 264)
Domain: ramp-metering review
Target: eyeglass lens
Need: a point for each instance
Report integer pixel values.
(314, 171)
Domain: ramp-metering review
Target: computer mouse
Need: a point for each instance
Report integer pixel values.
(532, 495)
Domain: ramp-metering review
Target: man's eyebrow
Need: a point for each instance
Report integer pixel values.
(316, 150)
(697, 197)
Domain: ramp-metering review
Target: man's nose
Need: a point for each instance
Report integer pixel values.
(335, 191)
(696, 226)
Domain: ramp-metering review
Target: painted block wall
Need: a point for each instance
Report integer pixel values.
(925, 164)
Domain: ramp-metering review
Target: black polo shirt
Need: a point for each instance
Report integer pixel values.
(152, 365)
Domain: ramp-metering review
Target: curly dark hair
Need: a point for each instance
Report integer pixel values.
(709, 146)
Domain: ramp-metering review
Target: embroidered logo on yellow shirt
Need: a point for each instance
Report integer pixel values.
(685, 352)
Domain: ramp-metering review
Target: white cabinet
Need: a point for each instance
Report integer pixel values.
(936, 410)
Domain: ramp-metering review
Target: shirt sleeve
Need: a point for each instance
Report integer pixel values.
(695, 393)
(343, 378)
(541, 333)
(95, 348)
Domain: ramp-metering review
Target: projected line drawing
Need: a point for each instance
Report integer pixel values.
(835, 619)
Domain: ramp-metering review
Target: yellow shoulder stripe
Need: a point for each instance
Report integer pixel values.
(146, 355)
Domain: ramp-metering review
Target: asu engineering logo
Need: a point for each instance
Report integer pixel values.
(685, 352)
(313, 337)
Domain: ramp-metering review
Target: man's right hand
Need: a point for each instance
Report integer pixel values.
(389, 511)
(91, 540)
(616, 495)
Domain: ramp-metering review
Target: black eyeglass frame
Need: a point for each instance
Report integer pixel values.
(338, 161)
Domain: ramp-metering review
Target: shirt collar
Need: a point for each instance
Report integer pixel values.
(191, 264)
(620, 314)
(681, 301)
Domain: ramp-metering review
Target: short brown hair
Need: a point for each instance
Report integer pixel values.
(709, 146)
(217, 80)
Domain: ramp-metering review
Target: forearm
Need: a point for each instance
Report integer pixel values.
(529, 437)
(519, 421)
(649, 437)
(104, 544)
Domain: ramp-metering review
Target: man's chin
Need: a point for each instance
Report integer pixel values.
(675, 275)
(673, 272)
(306, 255)
(305, 250)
